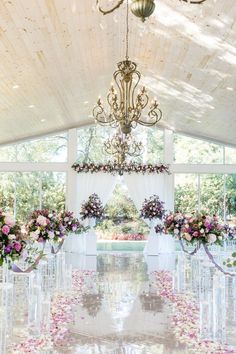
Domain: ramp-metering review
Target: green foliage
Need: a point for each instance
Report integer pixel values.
(122, 216)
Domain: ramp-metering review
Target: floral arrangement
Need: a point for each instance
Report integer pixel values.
(193, 228)
(45, 225)
(173, 223)
(92, 208)
(11, 244)
(70, 223)
(152, 208)
(230, 231)
(113, 168)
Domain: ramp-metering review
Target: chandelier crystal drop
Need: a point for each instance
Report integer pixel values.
(128, 106)
(122, 146)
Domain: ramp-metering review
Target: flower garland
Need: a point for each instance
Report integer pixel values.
(186, 318)
(11, 244)
(152, 208)
(114, 168)
(93, 208)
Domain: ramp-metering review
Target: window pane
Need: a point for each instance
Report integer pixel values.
(53, 190)
(7, 191)
(212, 194)
(186, 192)
(230, 184)
(45, 149)
(153, 142)
(192, 151)
(91, 144)
(230, 155)
(8, 153)
(27, 194)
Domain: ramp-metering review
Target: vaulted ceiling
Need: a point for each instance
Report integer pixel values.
(57, 56)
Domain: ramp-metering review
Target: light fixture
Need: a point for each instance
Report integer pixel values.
(141, 8)
(122, 146)
(126, 107)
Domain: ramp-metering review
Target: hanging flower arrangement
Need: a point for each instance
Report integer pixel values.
(115, 168)
(11, 244)
(152, 208)
(93, 208)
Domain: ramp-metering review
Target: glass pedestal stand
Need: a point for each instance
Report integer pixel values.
(91, 239)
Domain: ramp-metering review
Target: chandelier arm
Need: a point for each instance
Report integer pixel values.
(138, 75)
(100, 116)
(195, 2)
(155, 115)
(106, 12)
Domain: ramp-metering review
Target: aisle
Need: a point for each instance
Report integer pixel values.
(121, 312)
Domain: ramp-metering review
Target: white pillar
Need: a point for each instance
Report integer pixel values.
(168, 160)
(71, 199)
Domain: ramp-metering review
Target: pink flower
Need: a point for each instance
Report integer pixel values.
(9, 220)
(17, 246)
(5, 230)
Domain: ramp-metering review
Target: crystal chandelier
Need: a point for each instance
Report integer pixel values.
(121, 146)
(125, 106)
(140, 8)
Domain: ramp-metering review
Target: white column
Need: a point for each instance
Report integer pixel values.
(71, 195)
(169, 159)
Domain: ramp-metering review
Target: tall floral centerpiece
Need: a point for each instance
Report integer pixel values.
(152, 208)
(199, 228)
(70, 223)
(196, 230)
(92, 208)
(91, 211)
(45, 225)
(11, 244)
(153, 212)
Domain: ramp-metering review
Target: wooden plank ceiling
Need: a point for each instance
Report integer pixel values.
(57, 56)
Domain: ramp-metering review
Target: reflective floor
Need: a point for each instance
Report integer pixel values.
(122, 313)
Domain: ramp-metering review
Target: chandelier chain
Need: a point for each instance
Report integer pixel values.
(127, 30)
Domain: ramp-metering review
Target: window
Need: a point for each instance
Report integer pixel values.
(230, 155)
(23, 192)
(212, 194)
(186, 192)
(47, 149)
(194, 151)
(230, 199)
(91, 144)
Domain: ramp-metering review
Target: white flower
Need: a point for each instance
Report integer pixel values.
(202, 231)
(41, 220)
(34, 235)
(212, 238)
(11, 237)
(9, 220)
(51, 235)
(187, 236)
(176, 231)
